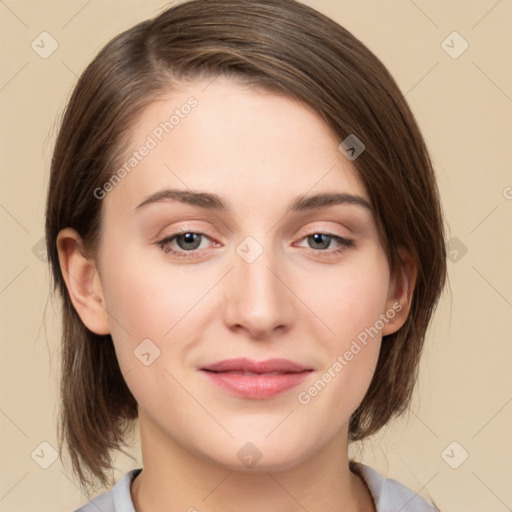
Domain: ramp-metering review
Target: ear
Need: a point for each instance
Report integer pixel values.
(82, 281)
(400, 293)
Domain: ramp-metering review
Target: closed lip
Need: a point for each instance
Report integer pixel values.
(246, 366)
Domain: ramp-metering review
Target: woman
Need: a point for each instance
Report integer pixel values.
(244, 225)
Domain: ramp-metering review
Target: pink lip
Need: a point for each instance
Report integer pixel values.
(256, 379)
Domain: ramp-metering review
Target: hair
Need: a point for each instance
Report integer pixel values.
(282, 46)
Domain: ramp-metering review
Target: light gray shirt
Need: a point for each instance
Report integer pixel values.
(388, 495)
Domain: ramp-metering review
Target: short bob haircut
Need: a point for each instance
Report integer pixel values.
(284, 47)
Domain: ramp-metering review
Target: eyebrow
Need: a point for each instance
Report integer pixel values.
(214, 202)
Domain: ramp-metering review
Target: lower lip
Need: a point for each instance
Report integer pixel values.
(256, 386)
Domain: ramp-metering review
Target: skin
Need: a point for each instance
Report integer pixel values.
(295, 301)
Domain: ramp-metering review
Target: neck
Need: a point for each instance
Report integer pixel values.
(175, 480)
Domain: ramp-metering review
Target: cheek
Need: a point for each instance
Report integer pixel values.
(155, 310)
(140, 308)
(146, 302)
(351, 299)
(352, 308)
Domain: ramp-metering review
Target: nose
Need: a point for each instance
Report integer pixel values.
(259, 300)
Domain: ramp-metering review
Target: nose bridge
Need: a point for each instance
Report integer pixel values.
(259, 301)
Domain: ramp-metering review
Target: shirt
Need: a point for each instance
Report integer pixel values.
(388, 494)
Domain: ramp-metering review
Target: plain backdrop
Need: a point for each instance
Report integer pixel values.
(455, 444)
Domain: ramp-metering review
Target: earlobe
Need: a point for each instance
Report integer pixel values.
(82, 281)
(400, 295)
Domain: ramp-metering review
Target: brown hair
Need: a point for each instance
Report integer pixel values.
(284, 46)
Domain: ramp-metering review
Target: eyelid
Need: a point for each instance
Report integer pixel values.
(186, 227)
(331, 231)
(344, 244)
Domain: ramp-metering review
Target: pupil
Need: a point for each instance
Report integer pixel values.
(317, 237)
(190, 238)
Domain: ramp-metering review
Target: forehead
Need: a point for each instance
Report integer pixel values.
(235, 141)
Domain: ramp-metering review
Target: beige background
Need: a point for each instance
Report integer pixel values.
(464, 106)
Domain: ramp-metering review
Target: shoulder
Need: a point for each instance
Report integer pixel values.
(118, 499)
(390, 495)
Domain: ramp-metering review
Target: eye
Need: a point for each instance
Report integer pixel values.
(190, 244)
(180, 244)
(321, 242)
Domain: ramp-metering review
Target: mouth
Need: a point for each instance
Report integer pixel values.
(256, 379)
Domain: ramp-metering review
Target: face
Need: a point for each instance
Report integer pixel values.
(250, 313)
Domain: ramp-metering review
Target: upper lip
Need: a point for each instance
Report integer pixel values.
(248, 365)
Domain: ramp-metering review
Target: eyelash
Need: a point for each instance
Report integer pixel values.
(345, 244)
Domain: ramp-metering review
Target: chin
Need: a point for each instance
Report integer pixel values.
(260, 454)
